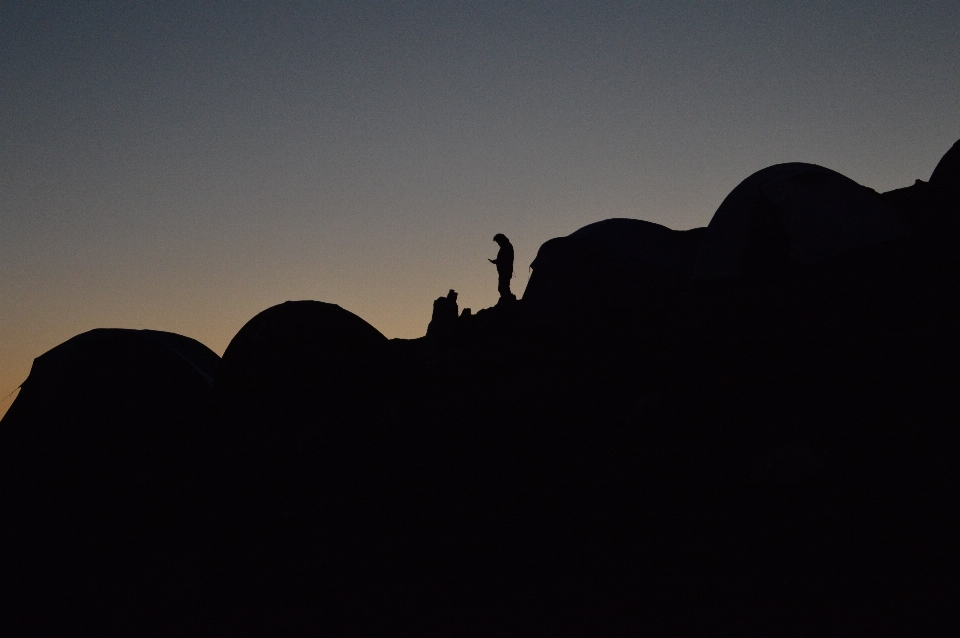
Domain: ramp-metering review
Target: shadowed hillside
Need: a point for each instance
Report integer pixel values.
(749, 427)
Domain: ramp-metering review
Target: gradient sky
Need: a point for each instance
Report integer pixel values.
(182, 166)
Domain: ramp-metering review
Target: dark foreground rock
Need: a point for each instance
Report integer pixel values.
(757, 458)
(111, 414)
(758, 455)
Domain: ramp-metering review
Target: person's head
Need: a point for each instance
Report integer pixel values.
(500, 238)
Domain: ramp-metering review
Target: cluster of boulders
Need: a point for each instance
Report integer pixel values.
(781, 219)
(665, 416)
(143, 412)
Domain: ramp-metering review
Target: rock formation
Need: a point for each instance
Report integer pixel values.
(730, 419)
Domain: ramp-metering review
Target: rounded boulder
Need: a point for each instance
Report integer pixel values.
(301, 355)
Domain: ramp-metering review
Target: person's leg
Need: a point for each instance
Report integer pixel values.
(504, 287)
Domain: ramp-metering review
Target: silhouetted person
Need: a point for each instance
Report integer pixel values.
(504, 264)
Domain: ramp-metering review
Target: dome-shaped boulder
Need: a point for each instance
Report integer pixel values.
(793, 215)
(301, 355)
(110, 412)
(609, 262)
(301, 391)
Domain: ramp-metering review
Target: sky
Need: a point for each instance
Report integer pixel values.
(182, 166)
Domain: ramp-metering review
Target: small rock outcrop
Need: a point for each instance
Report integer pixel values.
(445, 314)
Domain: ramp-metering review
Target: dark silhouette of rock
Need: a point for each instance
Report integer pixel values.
(608, 263)
(793, 215)
(946, 175)
(945, 188)
(110, 413)
(935, 205)
(729, 442)
(504, 264)
(300, 351)
(916, 205)
(299, 389)
(445, 315)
